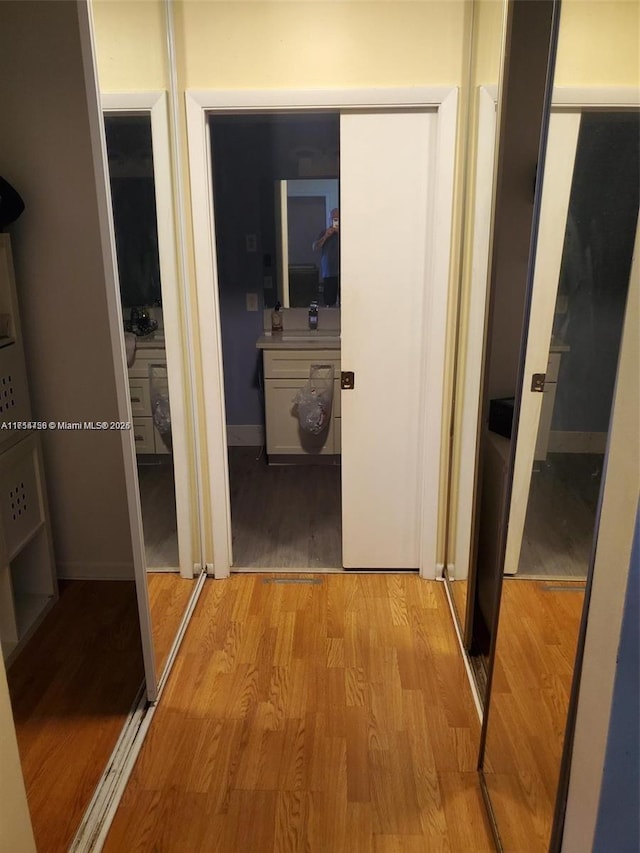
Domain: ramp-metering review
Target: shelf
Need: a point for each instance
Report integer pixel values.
(29, 610)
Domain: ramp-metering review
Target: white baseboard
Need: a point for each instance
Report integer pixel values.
(571, 441)
(95, 571)
(245, 435)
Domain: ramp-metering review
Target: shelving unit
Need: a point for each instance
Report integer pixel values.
(28, 586)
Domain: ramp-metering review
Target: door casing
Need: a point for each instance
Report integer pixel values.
(199, 105)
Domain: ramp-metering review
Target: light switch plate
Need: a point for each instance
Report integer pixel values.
(251, 242)
(252, 301)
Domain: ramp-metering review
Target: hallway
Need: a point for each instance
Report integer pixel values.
(325, 715)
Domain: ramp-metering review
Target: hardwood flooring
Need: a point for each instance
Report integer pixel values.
(458, 590)
(284, 516)
(71, 689)
(327, 716)
(535, 656)
(158, 504)
(169, 595)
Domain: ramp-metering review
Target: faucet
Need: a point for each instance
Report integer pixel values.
(313, 315)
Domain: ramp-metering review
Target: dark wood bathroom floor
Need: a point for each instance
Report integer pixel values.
(284, 516)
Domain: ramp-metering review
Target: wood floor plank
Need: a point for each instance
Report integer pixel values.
(169, 594)
(308, 718)
(535, 651)
(71, 689)
(284, 516)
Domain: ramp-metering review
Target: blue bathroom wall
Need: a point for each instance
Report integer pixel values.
(250, 153)
(618, 824)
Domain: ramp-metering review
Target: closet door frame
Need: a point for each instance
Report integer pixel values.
(154, 105)
(199, 105)
(564, 100)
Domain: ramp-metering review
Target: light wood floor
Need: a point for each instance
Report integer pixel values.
(284, 516)
(158, 504)
(458, 590)
(71, 689)
(329, 717)
(169, 595)
(535, 656)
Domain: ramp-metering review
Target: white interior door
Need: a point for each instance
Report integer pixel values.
(558, 175)
(385, 184)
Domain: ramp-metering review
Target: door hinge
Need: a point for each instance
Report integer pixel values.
(347, 380)
(537, 381)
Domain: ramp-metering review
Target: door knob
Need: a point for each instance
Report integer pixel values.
(347, 380)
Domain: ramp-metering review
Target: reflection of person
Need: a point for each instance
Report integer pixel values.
(329, 244)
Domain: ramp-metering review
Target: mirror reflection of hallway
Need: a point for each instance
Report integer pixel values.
(275, 182)
(587, 322)
(131, 176)
(138, 150)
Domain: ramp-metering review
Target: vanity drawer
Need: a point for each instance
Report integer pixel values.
(140, 396)
(284, 435)
(144, 435)
(337, 435)
(295, 364)
(145, 357)
(336, 399)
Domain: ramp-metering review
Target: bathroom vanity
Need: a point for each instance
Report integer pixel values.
(147, 373)
(288, 357)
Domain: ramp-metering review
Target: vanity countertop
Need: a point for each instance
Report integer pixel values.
(152, 341)
(300, 340)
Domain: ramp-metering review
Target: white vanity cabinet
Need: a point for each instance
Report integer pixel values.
(285, 373)
(148, 371)
(28, 586)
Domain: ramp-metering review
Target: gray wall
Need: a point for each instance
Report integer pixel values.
(45, 152)
(596, 265)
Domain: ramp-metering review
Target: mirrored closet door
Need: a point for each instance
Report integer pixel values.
(554, 393)
(137, 139)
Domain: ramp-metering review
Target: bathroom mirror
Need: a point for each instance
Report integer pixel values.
(586, 239)
(288, 166)
(307, 240)
(484, 69)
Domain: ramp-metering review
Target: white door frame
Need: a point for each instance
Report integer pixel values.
(564, 99)
(199, 104)
(154, 104)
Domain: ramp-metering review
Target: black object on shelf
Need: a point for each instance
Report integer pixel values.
(11, 205)
(501, 415)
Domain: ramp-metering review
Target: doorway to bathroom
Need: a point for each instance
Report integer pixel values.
(396, 194)
(275, 189)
